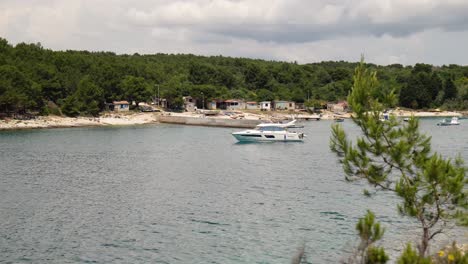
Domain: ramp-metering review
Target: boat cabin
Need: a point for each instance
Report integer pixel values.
(272, 127)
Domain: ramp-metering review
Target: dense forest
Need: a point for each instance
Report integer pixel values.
(34, 79)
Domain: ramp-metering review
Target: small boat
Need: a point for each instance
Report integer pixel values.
(338, 119)
(208, 112)
(452, 122)
(309, 117)
(406, 119)
(269, 132)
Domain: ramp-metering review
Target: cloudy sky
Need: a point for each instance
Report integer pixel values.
(386, 31)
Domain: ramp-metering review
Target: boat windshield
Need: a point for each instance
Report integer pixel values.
(271, 128)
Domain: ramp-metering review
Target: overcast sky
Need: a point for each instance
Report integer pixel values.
(385, 31)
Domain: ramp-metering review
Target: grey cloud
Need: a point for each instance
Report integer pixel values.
(303, 21)
(404, 31)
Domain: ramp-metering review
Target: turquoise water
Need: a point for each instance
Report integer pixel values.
(185, 194)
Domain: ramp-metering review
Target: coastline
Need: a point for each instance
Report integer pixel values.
(46, 122)
(227, 119)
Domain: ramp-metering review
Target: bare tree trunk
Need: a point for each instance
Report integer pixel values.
(424, 242)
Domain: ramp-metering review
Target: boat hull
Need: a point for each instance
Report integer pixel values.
(447, 124)
(453, 122)
(268, 137)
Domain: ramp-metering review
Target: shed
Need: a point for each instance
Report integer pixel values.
(252, 105)
(190, 104)
(121, 106)
(265, 106)
(234, 104)
(160, 102)
(300, 106)
(212, 105)
(284, 105)
(341, 106)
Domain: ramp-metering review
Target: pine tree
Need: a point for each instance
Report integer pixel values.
(450, 91)
(395, 156)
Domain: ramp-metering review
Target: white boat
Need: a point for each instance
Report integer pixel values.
(452, 122)
(269, 132)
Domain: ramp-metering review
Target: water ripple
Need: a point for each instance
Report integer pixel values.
(175, 194)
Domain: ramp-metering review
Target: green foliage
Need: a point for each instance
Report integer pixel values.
(265, 95)
(450, 91)
(376, 255)
(462, 85)
(317, 104)
(422, 88)
(369, 232)
(55, 75)
(395, 156)
(135, 89)
(51, 109)
(410, 256)
(87, 99)
(451, 255)
(17, 92)
(70, 106)
(177, 103)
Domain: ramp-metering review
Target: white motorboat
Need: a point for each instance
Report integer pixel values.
(452, 122)
(269, 132)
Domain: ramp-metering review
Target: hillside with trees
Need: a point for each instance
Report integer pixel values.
(38, 80)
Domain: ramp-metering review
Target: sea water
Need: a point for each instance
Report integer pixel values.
(185, 194)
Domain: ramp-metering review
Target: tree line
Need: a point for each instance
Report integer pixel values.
(40, 80)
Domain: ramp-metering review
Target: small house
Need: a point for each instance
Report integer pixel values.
(212, 105)
(284, 105)
(160, 102)
(341, 106)
(265, 106)
(233, 104)
(121, 106)
(190, 104)
(300, 106)
(252, 105)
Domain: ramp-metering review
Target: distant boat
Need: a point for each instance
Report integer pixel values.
(406, 119)
(338, 119)
(452, 122)
(209, 112)
(308, 117)
(269, 132)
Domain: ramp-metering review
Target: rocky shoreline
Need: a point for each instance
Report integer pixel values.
(225, 118)
(42, 122)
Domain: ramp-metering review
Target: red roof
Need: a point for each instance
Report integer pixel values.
(252, 102)
(231, 101)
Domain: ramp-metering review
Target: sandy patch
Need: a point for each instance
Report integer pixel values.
(58, 121)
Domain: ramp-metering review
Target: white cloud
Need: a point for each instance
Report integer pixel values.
(387, 31)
